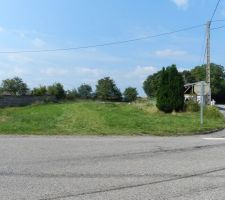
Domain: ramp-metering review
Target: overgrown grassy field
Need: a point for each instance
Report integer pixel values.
(95, 118)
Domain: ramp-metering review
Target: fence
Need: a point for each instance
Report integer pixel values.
(7, 101)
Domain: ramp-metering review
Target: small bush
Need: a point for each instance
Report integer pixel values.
(130, 94)
(212, 112)
(192, 106)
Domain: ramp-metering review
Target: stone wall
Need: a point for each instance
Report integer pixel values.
(8, 101)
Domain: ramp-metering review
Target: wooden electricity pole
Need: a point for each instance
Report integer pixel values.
(208, 71)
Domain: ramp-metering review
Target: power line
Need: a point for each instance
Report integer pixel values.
(208, 70)
(216, 28)
(219, 20)
(211, 20)
(104, 44)
(214, 12)
(202, 59)
(203, 51)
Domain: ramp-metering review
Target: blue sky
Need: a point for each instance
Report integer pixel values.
(47, 24)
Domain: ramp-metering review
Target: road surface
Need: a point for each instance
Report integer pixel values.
(112, 168)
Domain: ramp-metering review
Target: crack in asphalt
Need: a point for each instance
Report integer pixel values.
(194, 191)
(126, 156)
(69, 195)
(83, 175)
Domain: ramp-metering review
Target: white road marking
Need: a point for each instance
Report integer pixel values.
(214, 138)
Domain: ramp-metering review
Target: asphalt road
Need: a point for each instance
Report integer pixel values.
(112, 168)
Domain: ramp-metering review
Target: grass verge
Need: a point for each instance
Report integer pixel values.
(95, 118)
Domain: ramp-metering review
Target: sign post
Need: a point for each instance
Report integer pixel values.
(202, 89)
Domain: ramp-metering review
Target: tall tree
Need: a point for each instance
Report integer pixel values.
(170, 95)
(151, 84)
(15, 86)
(106, 89)
(85, 91)
(188, 77)
(57, 90)
(217, 80)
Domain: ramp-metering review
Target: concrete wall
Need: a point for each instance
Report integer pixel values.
(7, 101)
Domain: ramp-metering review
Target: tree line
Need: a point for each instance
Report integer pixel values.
(106, 90)
(152, 84)
(167, 86)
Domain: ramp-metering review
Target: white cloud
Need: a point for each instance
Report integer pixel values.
(181, 3)
(142, 72)
(37, 42)
(88, 71)
(96, 55)
(14, 71)
(77, 72)
(19, 59)
(20, 33)
(52, 72)
(170, 53)
(19, 71)
(1, 29)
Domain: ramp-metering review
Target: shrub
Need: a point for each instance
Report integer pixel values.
(192, 106)
(212, 112)
(170, 95)
(130, 94)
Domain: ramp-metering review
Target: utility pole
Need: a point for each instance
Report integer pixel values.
(208, 71)
(202, 102)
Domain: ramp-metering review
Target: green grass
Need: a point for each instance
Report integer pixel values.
(95, 118)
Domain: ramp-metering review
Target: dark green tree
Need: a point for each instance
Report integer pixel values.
(170, 95)
(107, 90)
(151, 84)
(188, 77)
(199, 73)
(176, 88)
(14, 86)
(85, 91)
(57, 90)
(130, 94)
(163, 100)
(40, 91)
(217, 80)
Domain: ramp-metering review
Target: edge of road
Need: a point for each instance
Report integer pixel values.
(216, 132)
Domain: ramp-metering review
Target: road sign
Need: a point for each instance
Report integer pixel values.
(197, 88)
